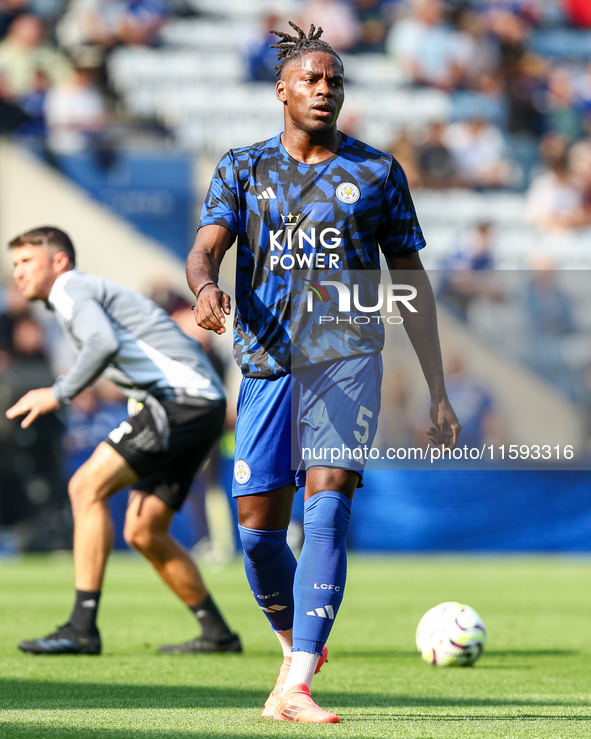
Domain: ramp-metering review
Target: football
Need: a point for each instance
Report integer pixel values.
(451, 634)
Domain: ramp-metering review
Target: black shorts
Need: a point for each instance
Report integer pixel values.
(165, 443)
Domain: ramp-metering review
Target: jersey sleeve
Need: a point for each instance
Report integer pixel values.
(399, 229)
(92, 331)
(221, 204)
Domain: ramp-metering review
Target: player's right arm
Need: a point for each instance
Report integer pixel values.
(218, 227)
(93, 332)
(90, 327)
(203, 268)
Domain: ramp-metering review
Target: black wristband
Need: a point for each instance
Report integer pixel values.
(198, 293)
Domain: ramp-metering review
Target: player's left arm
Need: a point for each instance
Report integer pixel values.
(421, 328)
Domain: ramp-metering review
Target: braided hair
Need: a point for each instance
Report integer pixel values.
(293, 47)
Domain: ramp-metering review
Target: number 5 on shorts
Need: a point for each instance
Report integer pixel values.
(363, 437)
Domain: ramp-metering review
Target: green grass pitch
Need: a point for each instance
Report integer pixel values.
(534, 679)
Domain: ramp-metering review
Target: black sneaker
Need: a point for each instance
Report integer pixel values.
(203, 645)
(66, 640)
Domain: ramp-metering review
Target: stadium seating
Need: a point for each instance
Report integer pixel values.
(195, 83)
(202, 88)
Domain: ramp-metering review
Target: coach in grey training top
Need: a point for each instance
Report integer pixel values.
(177, 410)
(131, 341)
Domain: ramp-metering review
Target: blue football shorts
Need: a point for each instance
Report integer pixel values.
(321, 416)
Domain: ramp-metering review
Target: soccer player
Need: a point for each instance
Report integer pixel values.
(177, 408)
(309, 198)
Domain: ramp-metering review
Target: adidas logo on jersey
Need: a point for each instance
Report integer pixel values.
(326, 612)
(267, 194)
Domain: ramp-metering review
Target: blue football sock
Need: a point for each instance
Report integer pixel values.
(270, 569)
(322, 570)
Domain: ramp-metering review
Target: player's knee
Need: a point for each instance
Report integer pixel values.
(262, 546)
(82, 489)
(138, 536)
(328, 514)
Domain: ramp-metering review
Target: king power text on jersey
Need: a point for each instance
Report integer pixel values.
(292, 239)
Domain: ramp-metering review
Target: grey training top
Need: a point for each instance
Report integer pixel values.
(131, 341)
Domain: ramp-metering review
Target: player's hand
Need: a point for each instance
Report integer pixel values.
(213, 305)
(446, 428)
(32, 405)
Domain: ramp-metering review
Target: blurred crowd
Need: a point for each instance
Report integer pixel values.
(518, 73)
(527, 119)
(31, 481)
(53, 81)
(538, 317)
(522, 116)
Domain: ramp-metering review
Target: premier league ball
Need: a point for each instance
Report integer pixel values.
(451, 634)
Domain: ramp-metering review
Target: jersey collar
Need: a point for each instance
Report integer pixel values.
(59, 285)
(289, 158)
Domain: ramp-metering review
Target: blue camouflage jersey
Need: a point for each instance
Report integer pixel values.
(298, 224)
